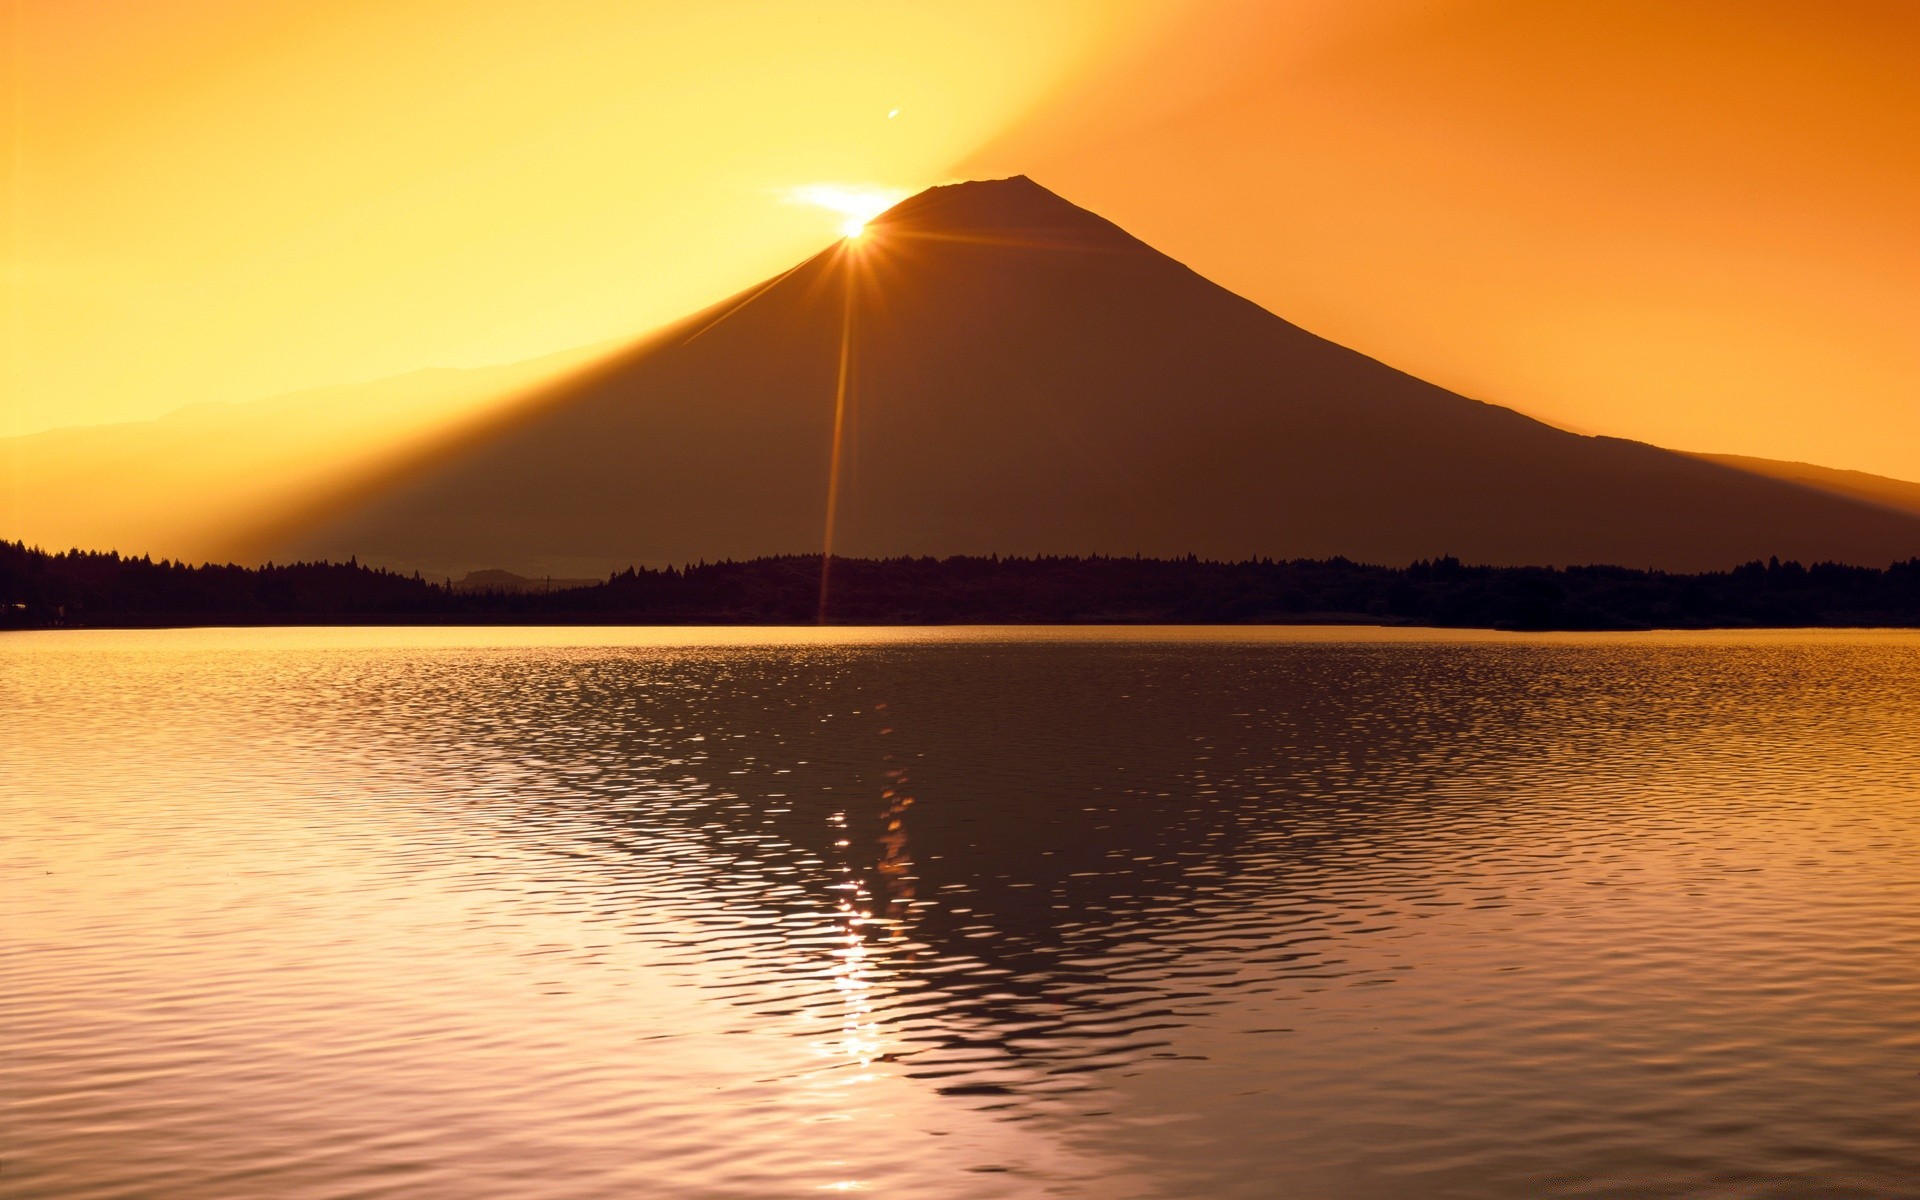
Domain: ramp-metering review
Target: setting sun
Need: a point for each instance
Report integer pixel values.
(856, 204)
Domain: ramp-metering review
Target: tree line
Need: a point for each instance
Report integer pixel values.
(77, 588)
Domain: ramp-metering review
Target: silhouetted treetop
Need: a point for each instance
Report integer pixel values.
(77, 588)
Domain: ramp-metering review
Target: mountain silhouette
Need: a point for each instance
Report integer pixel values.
(1013, 374)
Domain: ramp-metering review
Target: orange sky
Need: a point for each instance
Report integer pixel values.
(1690, 222)
(1695, 222)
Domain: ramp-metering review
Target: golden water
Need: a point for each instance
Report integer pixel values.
(967, 913)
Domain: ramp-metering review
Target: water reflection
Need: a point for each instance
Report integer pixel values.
(1344, 914)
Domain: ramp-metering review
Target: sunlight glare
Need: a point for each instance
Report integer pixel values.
(856, 204)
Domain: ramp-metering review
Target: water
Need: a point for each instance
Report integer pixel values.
(952, 913)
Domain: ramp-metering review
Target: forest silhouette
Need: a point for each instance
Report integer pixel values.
(80, 589)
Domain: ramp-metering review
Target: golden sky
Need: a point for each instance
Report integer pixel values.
(1688, 221)
(223, 199)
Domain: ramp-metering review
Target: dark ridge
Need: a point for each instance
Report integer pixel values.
(79, 589)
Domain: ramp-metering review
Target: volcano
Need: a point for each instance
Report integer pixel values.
(991, 369)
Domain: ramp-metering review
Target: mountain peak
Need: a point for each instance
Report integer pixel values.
(980, 205)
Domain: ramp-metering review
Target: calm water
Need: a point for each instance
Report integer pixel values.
(628, 913)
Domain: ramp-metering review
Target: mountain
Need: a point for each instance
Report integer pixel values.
(1023, 377)
(1026, 378)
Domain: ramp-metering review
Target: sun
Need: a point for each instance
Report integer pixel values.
(856, 204)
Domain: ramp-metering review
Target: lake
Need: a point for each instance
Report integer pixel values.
(1340, 913)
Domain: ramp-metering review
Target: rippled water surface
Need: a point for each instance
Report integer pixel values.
(959, 913)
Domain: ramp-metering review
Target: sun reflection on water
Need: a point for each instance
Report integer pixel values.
(856, 1053)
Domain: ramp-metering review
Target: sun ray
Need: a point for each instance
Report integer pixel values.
(842, 387)
(740, 304)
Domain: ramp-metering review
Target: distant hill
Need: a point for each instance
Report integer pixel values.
(507, 583)
(1026, 378)
(180, 486)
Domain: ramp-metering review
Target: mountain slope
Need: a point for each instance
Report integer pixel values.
(1858, 485)
(1025, 378)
